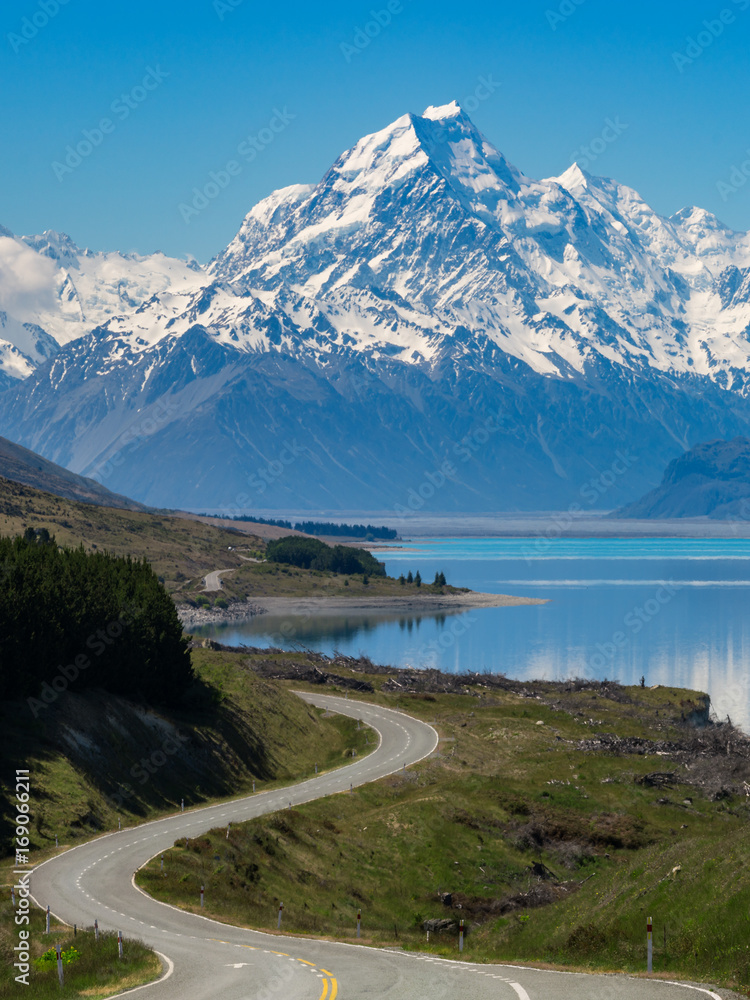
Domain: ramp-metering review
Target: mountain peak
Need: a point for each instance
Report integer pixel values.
(443, 111)
(574, 177)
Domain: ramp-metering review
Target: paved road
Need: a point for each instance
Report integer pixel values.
(209, 960)
(212, 580)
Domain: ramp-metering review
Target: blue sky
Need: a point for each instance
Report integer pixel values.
(182, 86)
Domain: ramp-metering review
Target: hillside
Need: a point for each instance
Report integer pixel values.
(711, 480)
(97, 756)
(553, 818)
(23, 466)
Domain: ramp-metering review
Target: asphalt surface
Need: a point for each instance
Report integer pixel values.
(207, 960)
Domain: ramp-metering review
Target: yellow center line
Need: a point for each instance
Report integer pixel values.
(334, 989)
(306, 963)
(326, 973)
(284, 953)
(324, 994)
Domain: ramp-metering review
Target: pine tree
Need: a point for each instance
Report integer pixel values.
(402, 579)
(410, 578)
(441, 580)
(418, 579)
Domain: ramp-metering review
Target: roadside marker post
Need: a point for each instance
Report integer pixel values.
(182, 806)
(60, 974)
(316, 768)
(13, 896)
(119, 943)
(96, 930)
(281, 907)
(229, 827)
(47, 931)
(75, 930)
(201, 897)
(56, 844)
(359, 921)
(461, 936)
(649, 936)
(253, 786)
(162, 863)
(119, 823)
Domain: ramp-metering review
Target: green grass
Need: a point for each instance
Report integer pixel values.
(97, 971)
(505, 793)
(252, 730)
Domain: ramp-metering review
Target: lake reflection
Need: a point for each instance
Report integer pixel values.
(671, 610)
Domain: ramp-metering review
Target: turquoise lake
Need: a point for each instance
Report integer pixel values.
(674, 611)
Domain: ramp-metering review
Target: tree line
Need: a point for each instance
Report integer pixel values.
(73, 619)
(324, 527)
(310, 553)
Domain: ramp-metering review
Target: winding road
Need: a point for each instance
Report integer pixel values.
(207, 960)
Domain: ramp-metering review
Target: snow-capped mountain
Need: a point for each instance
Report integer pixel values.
(52, 292)
(424, 315)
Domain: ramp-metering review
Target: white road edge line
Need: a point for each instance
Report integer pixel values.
(166, 960)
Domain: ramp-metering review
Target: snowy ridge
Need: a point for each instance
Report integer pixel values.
(423, 289)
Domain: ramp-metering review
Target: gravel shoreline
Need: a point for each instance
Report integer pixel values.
(425, 603)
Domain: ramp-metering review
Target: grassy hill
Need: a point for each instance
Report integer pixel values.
(182, 550)
(86, 751)
(557, 816)
(23, 466)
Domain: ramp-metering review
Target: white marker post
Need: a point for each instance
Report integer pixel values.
(461, 936)
(281, 907)
(229, 827)
(649, 936)
(60, 974)
(253, 786)
(119, 943)
(202, 897)
(96, 930)
(316, 768)
(162, 863)
(13, 896)
(119, 823)
(182, 806)
(359, 921)
(47, 931)
(56, 844)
